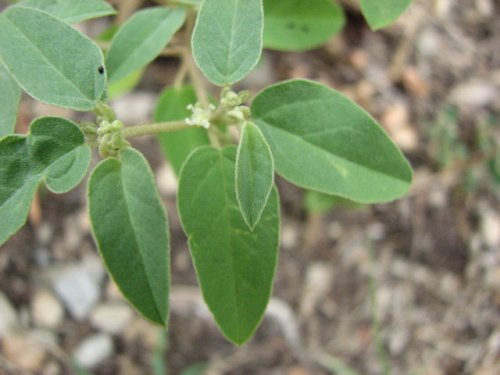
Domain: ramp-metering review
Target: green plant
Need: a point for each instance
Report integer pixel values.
(309, 134)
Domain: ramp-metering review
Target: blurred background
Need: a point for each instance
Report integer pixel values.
(410, 287)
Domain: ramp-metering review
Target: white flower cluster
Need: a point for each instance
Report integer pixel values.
(233, 103)
(201, 116)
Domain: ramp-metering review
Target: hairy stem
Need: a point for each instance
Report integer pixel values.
(160, 127)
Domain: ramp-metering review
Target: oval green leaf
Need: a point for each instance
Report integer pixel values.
(298, 25)
(69, 171)
(130, 227)
(50, 60)
(227, 39)
(254, 174)
(72, 11)
(141, 39)
(235, 266)
(381, 13)
(26, 160)
(322, 141)
(176, 146)
(10, 95)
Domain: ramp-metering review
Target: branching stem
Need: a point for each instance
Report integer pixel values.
(160, 127)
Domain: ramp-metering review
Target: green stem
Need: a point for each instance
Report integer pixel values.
(160, 127)
(194, 73)
(181, 74)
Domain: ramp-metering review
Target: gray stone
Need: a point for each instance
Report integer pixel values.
(46, 310)
(94, 350)
(111, 318)
(24, 352)
(8, 317)
(77, 289)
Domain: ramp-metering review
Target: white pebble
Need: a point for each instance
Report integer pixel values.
(94, 350)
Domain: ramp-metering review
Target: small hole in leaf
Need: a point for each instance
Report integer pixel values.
(101, 69)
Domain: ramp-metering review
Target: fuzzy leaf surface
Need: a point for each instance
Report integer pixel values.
(322, 141)
(130, 227)
(50, 60)
(141, 39)
(10, 94)
(72, 11)
(254, 174)
(298, 25)
(26, 160)
(227, 39)
(234, 265)
(381, 13)
(177, 146)
(69, 170)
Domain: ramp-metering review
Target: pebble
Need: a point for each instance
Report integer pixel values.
(318, 282)
(474, 93)
(46, 310)
(289, 236)
(490, 228)
(166, 181)
(77, 289)
(94, 350)
(396, 121)
(112, 318)
(8, 317)
(282, 314)
(134, 108)
(24, 353)
(112, 291)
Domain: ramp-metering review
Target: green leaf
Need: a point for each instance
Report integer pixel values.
(319, 203)
(50, 60)
(26, 160)
(69, 170)
(235, 266)
(381, 13)
(141, 39)
(131, 230)
(298, 25)
(125, 85)
(227, 39)
(72, 11)
(10, 95)
(323, 141)
(177, 146)
(254, 174)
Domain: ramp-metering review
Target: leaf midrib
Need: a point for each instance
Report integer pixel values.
(346, 160)
(136, 241)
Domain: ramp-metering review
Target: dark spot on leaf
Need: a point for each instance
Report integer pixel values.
(305, 29)
(101, 69)
(290, 25)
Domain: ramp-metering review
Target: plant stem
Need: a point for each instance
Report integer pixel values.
(181, 74)
(382, 354)
(194, 74)
(197, 81)
(160, 127)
